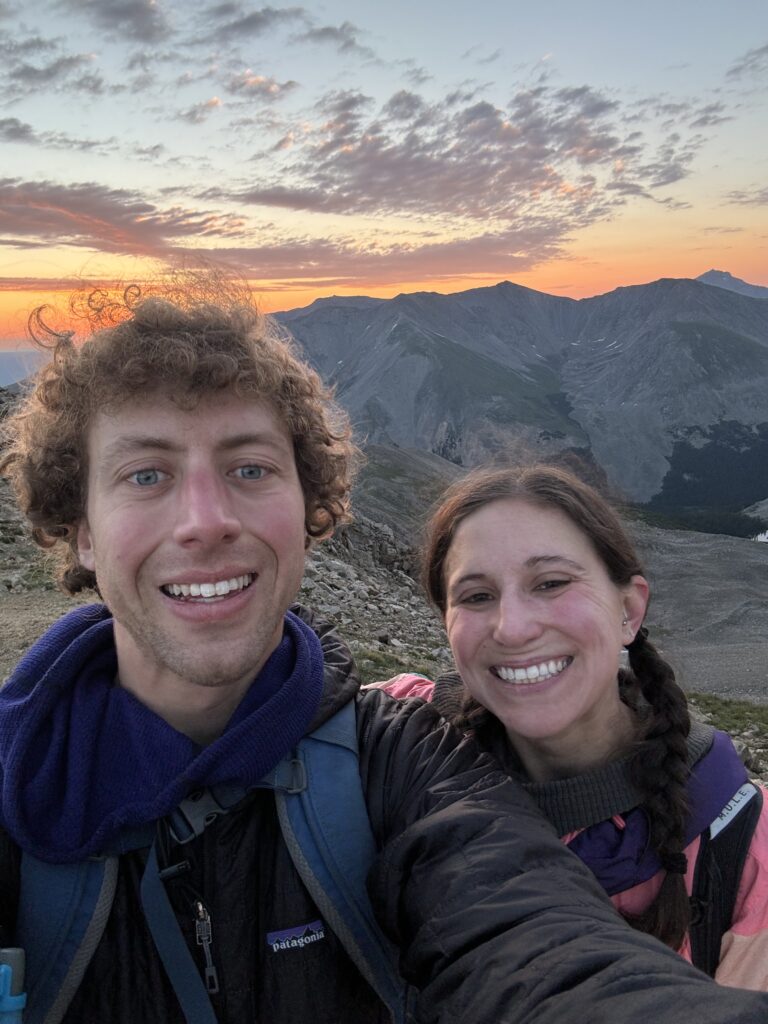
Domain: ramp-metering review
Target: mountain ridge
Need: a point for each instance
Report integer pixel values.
(640, 380)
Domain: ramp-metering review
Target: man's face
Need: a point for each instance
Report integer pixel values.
(195, 529)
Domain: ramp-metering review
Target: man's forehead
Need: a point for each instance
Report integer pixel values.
(158, 420)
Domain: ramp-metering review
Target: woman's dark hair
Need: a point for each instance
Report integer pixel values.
(659, 764)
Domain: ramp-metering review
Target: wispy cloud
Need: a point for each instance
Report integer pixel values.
(109, 220)
(199, 112)
(233, 21)
(14, 130)
(343, 38)
(475, 53)
(753, 62)
(141, 20)
(247, 83)
(16, 47)
(757, 196)
(33, 76)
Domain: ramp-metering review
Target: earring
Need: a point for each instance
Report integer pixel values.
(623, 622)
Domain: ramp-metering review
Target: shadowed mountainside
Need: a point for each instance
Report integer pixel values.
(664, 386)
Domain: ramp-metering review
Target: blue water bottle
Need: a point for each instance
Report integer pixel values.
(13, 999)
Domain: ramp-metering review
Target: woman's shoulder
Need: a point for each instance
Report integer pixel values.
(406, 684)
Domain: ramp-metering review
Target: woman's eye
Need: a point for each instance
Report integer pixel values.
(479, 598)
(147, 477)
(552, 584)
(250, 472)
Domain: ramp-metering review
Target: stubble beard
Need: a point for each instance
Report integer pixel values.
(213, 665)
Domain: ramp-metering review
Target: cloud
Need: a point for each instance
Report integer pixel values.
(151, 152)
(757, 196)
(13, 48)
(490, 58)
(470, 159)
(29, 76)
(235, 25)
(260, 86)
(346, 263)
(199, 112)
(754, 62)
(710, 115)
(92, 216)
(14, 130)
(140, 20)
(344, 38)
(404, 106)
(671, 161)
(415, 74)
(474, 53)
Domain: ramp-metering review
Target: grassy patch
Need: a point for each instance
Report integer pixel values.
(374, 665)
(733, 716)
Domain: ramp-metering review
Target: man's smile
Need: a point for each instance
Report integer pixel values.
(208, 590)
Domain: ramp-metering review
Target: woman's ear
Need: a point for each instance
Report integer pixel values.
(635, 599)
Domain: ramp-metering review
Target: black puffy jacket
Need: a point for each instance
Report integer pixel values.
(496, 921)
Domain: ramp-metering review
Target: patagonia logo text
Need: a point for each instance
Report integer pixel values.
(296, 938)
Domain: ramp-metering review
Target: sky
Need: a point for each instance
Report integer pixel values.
(374, 148)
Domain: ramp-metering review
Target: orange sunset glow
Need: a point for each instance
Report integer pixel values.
(371, 155)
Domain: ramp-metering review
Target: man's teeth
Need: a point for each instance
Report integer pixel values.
(207, 590)
(533, 673)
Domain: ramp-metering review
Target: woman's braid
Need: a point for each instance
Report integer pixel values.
(660, 769)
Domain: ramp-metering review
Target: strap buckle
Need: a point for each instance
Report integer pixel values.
(193, 815)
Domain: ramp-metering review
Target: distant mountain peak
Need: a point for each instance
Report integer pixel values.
(722, 279)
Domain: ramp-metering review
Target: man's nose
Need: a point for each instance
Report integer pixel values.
(518, 619)
(206, 513)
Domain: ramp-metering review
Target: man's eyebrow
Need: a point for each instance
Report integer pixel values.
(276, 440)
(130, 444)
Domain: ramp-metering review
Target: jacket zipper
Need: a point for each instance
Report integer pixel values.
(204, 938)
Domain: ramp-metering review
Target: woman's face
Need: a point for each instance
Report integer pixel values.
(536, 625)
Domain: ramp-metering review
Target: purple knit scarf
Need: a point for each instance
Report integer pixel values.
(82, 759)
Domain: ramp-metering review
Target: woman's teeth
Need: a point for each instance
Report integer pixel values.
(532, 673)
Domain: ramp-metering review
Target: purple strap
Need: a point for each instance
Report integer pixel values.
(621, 858)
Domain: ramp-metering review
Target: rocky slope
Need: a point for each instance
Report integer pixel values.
(664, 386)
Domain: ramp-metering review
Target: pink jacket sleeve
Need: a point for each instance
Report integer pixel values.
(407, 684)
(744, 950)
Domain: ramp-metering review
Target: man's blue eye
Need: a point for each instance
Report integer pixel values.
(250, 472)
(145, 477)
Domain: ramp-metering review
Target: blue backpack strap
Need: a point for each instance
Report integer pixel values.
(326, 828)
(178, 962)
(324, 820)
(62, 917)
(720, 861)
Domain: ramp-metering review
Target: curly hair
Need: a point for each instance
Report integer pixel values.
(659, 764)
(203, 341)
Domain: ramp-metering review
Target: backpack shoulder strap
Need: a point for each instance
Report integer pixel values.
(722, 852)
(326, 828)
(62, 917)
(324, 819)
